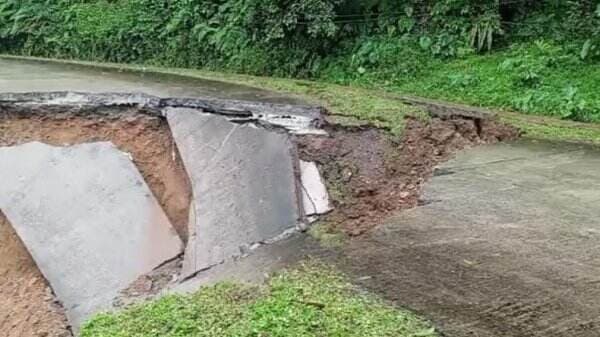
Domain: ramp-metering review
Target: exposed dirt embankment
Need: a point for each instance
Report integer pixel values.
(27, 305)
(370, 174)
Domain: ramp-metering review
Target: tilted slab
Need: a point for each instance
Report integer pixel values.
(243, 183)
(314, 193)
(88, 219)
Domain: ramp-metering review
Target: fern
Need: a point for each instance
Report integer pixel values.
(483, 31)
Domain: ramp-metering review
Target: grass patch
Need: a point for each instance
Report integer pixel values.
(327, 236)
(536, 77)
(312, 300)
(540, 127)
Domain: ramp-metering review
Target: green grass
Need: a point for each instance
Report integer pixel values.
(356, 105)
(540, 127)
(311, 300)
(559, 84)
(327, 236)
(538, 77)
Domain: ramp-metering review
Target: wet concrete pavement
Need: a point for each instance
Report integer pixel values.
(505, 245)
(31, 76)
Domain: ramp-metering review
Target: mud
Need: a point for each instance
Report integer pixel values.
(371, 174)
(27, 305)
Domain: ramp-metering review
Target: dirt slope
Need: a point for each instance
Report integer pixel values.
(27, 306)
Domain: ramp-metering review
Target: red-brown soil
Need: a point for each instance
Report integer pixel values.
(370, 174)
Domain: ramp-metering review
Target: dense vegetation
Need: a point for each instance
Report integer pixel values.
(532, 56)
(310, 301)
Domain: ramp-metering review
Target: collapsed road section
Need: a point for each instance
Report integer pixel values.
(90, 220)
(244, 184)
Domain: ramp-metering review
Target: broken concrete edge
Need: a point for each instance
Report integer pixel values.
(245, 247)
(296, 119)
(245, 251)
(245, 182)
(445, 110)
(306, 219)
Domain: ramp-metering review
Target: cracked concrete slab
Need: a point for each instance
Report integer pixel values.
(243, 181)
(315, 198)
(88, 219)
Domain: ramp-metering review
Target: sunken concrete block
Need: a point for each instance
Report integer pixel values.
(88, 219)
(243, 183)
(315, 198)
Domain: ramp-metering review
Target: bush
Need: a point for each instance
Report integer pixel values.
(377, 59)
(428, 47)
(275, 37)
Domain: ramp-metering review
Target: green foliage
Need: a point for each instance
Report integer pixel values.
(591, 46)
(537, 57)
(270, 37)
(310, 301)
(376, 59)
(483, 31)
(536, 78)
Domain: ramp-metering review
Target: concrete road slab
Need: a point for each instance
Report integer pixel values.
(243, 181)
(506, 244)
(88, 219)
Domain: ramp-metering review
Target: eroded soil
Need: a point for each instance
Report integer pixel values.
(27, 305)
(370, 174)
